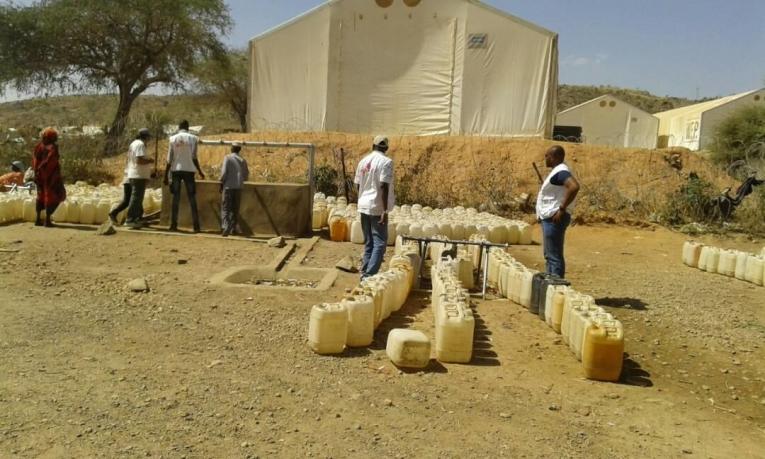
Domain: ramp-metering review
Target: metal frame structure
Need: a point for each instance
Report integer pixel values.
(308, 146)
(483, 259)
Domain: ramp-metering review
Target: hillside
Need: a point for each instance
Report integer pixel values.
(98, 110)
(32, 114)
(572, 95)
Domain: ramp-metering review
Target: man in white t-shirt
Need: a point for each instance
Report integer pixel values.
(555, 205)
(138, 174)
(374, 177)
(183, 164)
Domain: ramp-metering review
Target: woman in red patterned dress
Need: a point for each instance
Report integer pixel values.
(50, 185)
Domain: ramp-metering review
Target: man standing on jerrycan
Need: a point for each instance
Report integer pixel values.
(374, 177)
(183, 164)
(555, 204)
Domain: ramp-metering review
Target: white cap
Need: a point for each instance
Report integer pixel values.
(381, 141)
(236, 144)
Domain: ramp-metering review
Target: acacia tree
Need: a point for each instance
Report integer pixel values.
(123, 45)
(224, 76)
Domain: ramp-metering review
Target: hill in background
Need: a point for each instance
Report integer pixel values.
(572, 95)
(98, 110)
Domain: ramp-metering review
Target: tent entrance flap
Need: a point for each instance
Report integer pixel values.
(396, 78)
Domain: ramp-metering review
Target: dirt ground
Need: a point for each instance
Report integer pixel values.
(195, 370)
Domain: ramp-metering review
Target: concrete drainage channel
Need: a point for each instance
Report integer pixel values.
(283, 274)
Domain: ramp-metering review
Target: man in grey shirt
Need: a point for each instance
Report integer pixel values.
(233, 174)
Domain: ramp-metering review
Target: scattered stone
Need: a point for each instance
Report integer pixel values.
(106, 229)
(388, 402)
(687, 451)
(554, 407)
(505, 415)
(277, 242)
(347, 264)
(215, 363)
(138, 285)
(182, 261)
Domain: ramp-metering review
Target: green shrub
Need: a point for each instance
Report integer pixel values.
(690, 203)
(739, 134)
(326, 178)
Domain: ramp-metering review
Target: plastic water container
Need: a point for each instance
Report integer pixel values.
(361, 320)
(603, 351)
(540, 283)
(318, 216)
(741, 258)
(328, 328)
(727, 264)
(391, 235)
(691, 253)
(527, 278)
(558, 303)
(552, 289)
(60, 215)
(370, 288)
(713, 260)
(498, 234)
(455, 326)
(74, 210)
(337, 228)
(513, 233)
(357, 235)
(754, 269)
(408, 348)
(573, 300)
(29, 212)
(591, 315)
(703, 255)
(526, 234)
(87, 212)
(102, 210)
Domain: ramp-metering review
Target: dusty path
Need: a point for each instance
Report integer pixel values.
(189, 369)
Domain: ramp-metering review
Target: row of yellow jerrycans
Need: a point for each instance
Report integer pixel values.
(732, 263)
(352, 321)
(454, 321)
(592, 334)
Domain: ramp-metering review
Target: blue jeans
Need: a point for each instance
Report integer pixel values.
(553, 235)
(375, 243)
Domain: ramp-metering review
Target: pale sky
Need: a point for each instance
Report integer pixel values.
(679, 48)
(684, 48)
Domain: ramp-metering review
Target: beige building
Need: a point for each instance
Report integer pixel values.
(694, 126)
(607, 120)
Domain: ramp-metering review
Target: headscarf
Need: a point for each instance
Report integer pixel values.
(49, 135)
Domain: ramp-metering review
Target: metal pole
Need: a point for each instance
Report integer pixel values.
(485, 271)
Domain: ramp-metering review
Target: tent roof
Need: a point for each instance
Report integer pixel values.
(604, 96)
(703, 106)
(478, 3)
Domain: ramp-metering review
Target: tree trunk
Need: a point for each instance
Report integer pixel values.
(243, 121)
(239, 107)
(117, 128)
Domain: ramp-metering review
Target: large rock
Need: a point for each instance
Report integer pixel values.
(347, 264)
(277, 242)
(106, 229)
(138, 285)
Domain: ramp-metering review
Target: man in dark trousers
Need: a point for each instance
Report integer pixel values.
(233, 174)
(555, 205)
(182, 162)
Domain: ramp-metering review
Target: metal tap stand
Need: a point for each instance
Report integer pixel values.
(483, 259)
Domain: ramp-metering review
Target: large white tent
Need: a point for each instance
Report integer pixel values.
(420, 67)
(607, 120)
(694, 126)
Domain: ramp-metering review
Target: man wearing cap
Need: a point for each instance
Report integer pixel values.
(15, 177)
(233, 174)
(374, 177)
(138, 175)
(182, 162)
